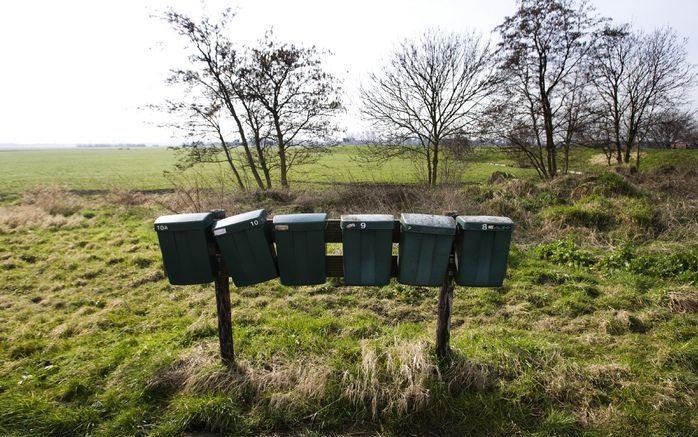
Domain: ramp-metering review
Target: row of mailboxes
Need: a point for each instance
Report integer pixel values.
(298, 257)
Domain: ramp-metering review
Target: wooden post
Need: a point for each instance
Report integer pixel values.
(225, 324)
(443, 321)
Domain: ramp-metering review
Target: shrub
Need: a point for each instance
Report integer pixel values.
(587, 215)
(682, 265)
(539, 201)
(565, 252)
(619, 258)
(639, 212)
(610, 184)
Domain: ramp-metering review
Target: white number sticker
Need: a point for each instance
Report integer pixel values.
(254, 222)
(484, 226)
(363, 225)
(161, 227)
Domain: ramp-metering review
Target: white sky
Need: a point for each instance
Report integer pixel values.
(78, 71)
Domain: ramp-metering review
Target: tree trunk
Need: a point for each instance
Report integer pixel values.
(229, 158)
(435, 166)
(616, 131)
(283, 170)
(428, 153)
(282, 167)
(549, 140)
(630, 141)
(262, 160)
(637, 159)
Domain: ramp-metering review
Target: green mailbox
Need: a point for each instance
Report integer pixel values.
(187, 247)
(367, 241)
(246, 249)
(300, 245)
(425, 248)
(482, 249)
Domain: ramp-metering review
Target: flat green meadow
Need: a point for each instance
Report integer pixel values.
(142, 169)
(594, 331)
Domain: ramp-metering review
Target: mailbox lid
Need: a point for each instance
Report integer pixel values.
(428, 224)
(300, 222)
(484, 223)
(184, 222)
(369, 221)
(240, 222)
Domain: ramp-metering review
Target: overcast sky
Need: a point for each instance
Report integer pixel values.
(78, 71)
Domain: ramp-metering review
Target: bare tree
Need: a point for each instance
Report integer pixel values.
(637, 77)
(213, 76)
(544, 46)
(300, 97)
(430, 91)
(673, 126)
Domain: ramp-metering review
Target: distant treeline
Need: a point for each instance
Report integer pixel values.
(120, 146)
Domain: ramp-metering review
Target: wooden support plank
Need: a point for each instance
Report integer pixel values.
(225, 322)
(223, 311)
(443, 321)
(334, 266)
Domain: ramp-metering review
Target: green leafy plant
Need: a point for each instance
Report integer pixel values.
(565, 252)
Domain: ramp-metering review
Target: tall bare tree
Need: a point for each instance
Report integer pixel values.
(637, 77)
(430, 91)
(543, 47)
(301, 99)
(673, 126)
(213, 75)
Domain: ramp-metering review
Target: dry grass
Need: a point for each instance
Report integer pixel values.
(600, 159)
(404, 379)
(684, 300)
(681, 183)
(399, 380)
(50, 208)
(283, 384)
(395, 380)
(55, 201)
(622, 322)
(13, 218)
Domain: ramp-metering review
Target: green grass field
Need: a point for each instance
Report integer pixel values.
(142, 168)
(595, 331)
(83, 169)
